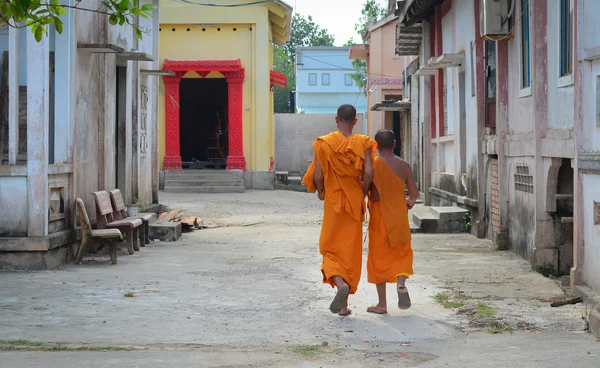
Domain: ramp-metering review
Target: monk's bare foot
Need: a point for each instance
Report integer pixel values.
(377, 309)
(340, 299)
(345, 311)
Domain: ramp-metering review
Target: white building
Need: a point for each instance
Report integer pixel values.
(78, 115)
(323, 81)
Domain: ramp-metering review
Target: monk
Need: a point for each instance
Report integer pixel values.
(341, 160)
(390, 253)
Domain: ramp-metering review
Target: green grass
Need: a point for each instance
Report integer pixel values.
(485, 311)
(26, 345)
(500, 327)
(307, 350)
(451, 301)
(129, 294)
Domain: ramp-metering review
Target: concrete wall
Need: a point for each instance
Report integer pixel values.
(587, 128)
(295, 134)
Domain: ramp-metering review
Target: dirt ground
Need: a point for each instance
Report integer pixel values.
(249, 293)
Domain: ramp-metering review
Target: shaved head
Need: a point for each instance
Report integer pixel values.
(346, 114)
(385, 139)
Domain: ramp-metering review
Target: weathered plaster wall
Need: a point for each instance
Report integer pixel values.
(295, 134)
(13, 202)
(591, 249)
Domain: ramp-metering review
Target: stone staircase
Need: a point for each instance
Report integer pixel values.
(204, 181)
(438, 220)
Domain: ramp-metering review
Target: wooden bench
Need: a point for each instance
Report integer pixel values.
(88, 236)
(120, 213)
(106, 220)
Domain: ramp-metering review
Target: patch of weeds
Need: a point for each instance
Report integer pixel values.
(307, 350)
(498, 327)
(547, 271)
(26, 345)
(129, 294)
(485, 311)
(467, 218)
(453, 298)
(22, 343)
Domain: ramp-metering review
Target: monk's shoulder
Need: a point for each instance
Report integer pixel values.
(400, 167)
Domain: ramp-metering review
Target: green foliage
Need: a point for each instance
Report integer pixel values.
(303, 32)
(371, 12)
(468, 221)
(38, 15)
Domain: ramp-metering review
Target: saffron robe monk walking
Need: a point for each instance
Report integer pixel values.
(390, 252)
(341, 159)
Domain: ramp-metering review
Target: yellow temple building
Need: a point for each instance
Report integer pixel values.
(216, 100)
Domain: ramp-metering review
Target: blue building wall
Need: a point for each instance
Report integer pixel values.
(323, 81)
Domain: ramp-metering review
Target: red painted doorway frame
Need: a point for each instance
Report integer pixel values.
(234, 74)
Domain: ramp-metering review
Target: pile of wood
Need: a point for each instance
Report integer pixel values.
(188, 223)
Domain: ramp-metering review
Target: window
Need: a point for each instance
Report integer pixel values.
(348, 80)
(525, 52)
(325, 79)
(566, 37)
(312, 79)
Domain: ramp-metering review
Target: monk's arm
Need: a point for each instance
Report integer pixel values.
(369, 171)
(413, 191)
(319, 179)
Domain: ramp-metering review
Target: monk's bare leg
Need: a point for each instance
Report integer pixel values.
(381, 307)
(403, 297)
(340, 301)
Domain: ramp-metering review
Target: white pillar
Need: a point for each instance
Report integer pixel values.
(38, 60)
(13, 95)
(64, 96)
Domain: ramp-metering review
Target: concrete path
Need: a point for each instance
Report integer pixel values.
(249, 293)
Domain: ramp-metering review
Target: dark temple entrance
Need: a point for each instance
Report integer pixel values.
(203, 123)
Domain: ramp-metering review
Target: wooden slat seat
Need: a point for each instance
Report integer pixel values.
(105, 218)
(120, 212)
(88, 236)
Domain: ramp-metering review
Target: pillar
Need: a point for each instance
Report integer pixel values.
(38, 122)
(172, 159)
(236, 159)
(13, 95)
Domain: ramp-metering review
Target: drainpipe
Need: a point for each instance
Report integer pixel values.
(577, 131)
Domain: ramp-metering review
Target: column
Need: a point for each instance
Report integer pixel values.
(236, 159)
(38, 122)
(172, 159)
(13, 95)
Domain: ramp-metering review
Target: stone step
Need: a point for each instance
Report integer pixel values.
(426, 222)
(205, 176)
(205, 189)
(448, 213)
(203, 183)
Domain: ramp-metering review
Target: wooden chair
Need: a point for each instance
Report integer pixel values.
(105, 219)
(120, 213)
(88, 236)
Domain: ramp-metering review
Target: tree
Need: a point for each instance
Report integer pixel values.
(303, 32)
(39, 14)
(371, 12)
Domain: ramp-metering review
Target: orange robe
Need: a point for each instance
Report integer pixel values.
(342, 163)
(390, 251)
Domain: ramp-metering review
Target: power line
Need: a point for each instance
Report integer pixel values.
(224, 5)
(344, 68)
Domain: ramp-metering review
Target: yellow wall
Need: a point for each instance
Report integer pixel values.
(252, 47)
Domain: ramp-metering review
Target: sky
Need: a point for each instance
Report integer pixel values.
(337, 16)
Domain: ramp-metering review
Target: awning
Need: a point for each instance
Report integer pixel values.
(408, 39)
(414, 11)
(441, 62)
(277, 79)
(390, 105)
(110, 48)
(359, 52)
(160, 72)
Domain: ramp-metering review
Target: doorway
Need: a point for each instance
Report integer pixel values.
(121, 128)
(204, 123)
